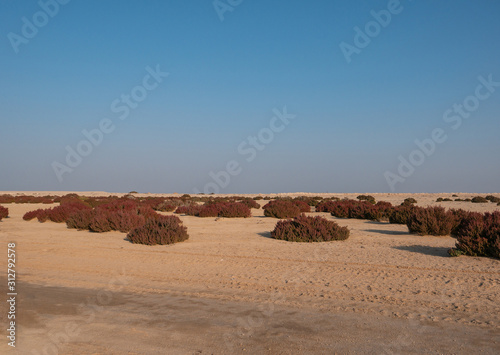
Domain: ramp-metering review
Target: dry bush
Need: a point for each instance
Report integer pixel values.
(478, 235)
(368, 198)
(431, 221)
(235, 210)
(479, 199)
(409, 201)
(493, 199)
(250, 203)
(4, 212)
(401, 214)
(159, 231)
(190, 210)
(309, 229)
(281, 209)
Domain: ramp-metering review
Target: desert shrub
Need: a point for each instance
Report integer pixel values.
(80, 220)
(235, 210)
(257, 198)
(311, 201)
(401, 214)
(492, 198)
(250, 203)
(329, 206)
(4, 212)
(459, 215)
(61, 213)
(368, 198)
(28, 216)
(479, 235)
(458, 199)
(303, 206)
(125, 221)
(162, 230)
(409, 201)
(431, 221)
(479, 199)
(210, 210)
(281, 209)
(101, 221)
(190, 210)
(309, 229)
(440, 199)
(57, 214)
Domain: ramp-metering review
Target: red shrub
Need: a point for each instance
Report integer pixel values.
(80, 220)
(28, 216)
(61, 213)
(479, 235)
(401, 214)
(281, 209)
(250, 203)
(100, 222)
(336, 208)
(309, 229)
(4, 212)
(162, 230)
(235, 210)
(210, 210)
(303, 206)
(190, 210)
(124, 221)
(431, 221)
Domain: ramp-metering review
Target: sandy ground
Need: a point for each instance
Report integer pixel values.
(231, 289)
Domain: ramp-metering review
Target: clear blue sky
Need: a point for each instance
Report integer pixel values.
(354, 120)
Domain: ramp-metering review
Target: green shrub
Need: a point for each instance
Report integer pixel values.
(309, 229)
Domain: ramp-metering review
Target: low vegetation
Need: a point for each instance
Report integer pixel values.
(309, 229)
(478, 235)
(281, 209)
(159, 231)
(4, 212)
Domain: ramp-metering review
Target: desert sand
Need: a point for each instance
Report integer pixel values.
(231, 289)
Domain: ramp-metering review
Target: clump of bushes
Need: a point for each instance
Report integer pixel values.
(401, 214)
(431, 221)
(159, 231)
(250, 203)
(235, 210)
(478, 235)
(479, 199)
(362, 209)
(309, 229)
(4, 212)
(409, 201)
(190, 210)
(57, 214)
(493, 199)
(281, 209)
(216, 209)
(368, 198)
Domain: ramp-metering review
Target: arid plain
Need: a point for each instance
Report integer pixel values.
(231, 289)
